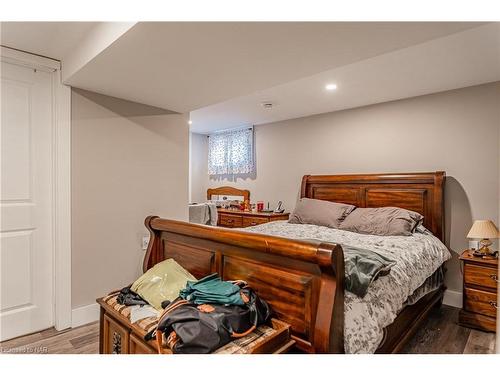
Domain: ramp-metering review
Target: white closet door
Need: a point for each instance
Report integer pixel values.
(26, 253)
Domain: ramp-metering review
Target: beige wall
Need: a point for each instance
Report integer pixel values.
(198, 168)
(128, 161)
(455, 131)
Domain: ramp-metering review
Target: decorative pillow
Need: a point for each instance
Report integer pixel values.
(383, 221)
(318, 212)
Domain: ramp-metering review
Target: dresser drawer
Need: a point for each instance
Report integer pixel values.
(481, 276)
(251, 221)
(480, 302)
(230, 221)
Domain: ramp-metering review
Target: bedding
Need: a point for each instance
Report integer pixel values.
(319, 212)
(416, 258)
(362, 267)
(382, 221)
(432, 283)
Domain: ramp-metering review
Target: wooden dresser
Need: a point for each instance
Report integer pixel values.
(241, 219)
(479, 292)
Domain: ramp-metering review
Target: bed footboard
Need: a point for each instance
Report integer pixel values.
(303, 281)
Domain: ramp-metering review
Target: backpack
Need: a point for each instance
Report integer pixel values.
(191, 328)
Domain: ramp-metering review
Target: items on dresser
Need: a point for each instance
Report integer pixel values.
(227, 196)
(279, 208)
(260, 206)
(242, 219)
(480, 289)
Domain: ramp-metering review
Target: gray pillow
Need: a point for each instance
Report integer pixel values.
(383, 221)
(318, 212)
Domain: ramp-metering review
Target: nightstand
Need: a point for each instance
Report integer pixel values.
(480, 288)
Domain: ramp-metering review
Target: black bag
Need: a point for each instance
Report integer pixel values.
(191, 328)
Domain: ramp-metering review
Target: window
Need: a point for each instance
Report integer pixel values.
(231, 152)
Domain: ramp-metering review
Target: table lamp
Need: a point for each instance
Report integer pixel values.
(484, 229)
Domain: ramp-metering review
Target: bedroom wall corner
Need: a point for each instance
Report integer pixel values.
(198, 167)
(128, 161)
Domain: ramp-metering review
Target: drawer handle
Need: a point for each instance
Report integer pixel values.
(494, 304)
(253, 223)
(230, 220)
(494, 277)
(117, 343)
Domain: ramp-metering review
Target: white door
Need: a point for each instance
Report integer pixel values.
(26, 252)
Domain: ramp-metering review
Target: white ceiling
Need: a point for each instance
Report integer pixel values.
(221, 72)
(463, 59)
(49, 39)
(187, 66)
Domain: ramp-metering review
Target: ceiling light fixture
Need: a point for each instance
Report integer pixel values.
(190, 122)
(331, 87)
(267, 105)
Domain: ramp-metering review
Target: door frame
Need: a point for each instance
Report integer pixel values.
(61, 179)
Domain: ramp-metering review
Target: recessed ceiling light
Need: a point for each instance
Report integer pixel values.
(190, 122)
(331, 86)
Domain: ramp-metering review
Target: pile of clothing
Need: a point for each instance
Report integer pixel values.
(197, 316)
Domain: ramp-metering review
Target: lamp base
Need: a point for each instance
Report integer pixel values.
(485, 250)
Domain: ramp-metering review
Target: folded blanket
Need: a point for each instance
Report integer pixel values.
(211, 289)
(203, 213)
(362, 267)
(212, 208)
(199, 213)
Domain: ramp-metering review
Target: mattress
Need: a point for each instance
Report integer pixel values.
(417, 258)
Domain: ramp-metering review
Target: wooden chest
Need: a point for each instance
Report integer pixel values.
(480, 288)
(119, 336)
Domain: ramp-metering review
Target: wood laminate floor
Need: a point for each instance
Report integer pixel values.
(440, 334)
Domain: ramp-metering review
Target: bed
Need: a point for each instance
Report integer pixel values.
(303, 280)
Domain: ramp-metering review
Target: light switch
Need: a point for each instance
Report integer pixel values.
(145, 242)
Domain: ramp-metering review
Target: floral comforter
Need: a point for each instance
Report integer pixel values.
(417, 257)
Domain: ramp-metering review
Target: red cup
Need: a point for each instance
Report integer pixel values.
(260, 206)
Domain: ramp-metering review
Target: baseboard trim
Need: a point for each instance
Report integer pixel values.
(84, 315)
(452, 298)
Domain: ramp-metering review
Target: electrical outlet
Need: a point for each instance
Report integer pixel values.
(145, 242)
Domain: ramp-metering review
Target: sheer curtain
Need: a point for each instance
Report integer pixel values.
(231, 152)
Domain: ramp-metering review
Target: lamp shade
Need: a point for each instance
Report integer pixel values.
(483, 229)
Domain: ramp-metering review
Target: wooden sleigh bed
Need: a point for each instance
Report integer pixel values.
(304, 280)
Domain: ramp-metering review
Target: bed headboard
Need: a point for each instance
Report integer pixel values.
(420, 192)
